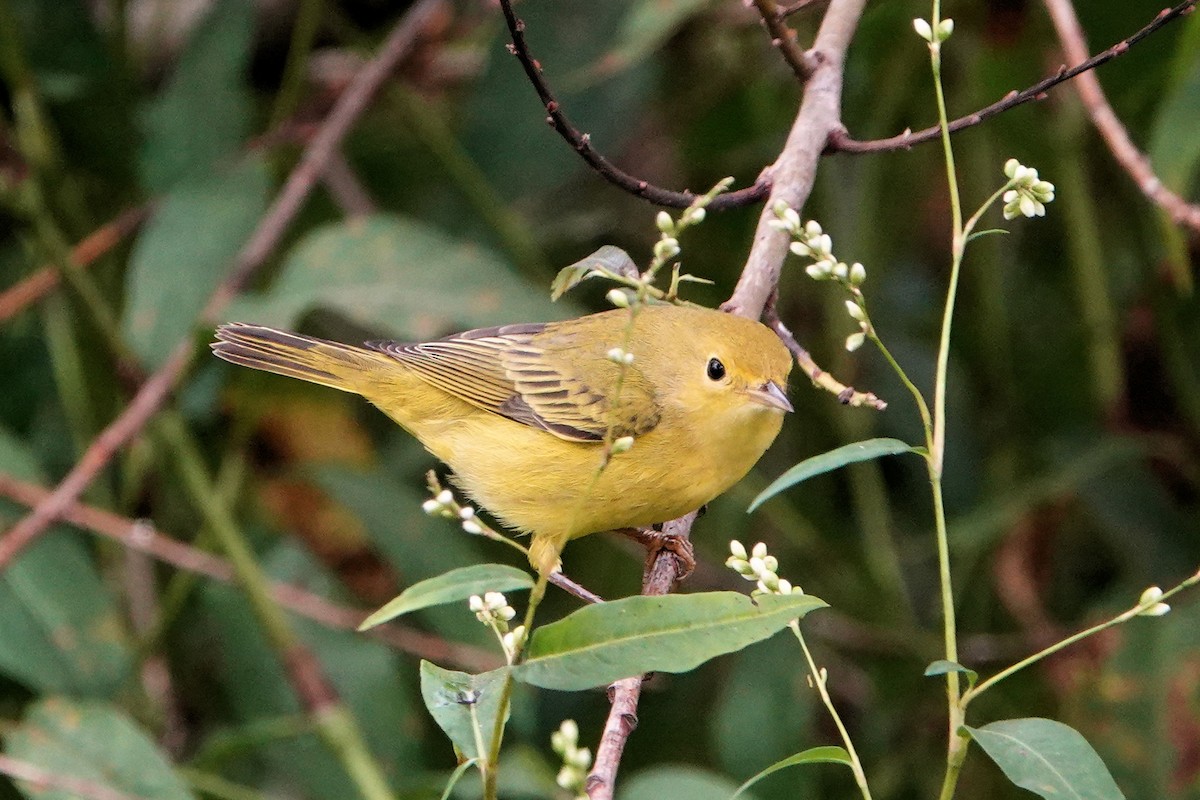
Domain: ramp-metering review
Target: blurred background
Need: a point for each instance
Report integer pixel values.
(1072, 475)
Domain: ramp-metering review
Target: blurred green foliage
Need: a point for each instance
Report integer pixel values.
(1074, 435)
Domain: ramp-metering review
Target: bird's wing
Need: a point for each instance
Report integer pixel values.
(533, 375)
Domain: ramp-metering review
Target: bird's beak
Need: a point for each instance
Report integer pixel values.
(771, 396)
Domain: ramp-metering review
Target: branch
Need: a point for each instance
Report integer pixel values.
(796, 167)
(1132, 160)
(784, 38)
(143, 537)
(253, 254)
(20, 296)
(840, 140)
(660, 578)
(582, 142)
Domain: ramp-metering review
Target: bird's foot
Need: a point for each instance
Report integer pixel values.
(655, 541)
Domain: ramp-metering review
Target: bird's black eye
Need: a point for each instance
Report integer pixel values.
(716, 370)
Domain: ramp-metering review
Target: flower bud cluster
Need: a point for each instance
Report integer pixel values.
(1151, 595)
(1028, 194)
(576, 760)
(759, 566)
(494, 611)
(619, 356)
(443, 504)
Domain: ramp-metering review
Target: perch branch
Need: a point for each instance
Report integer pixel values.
(1132, 160)
(582, 143)
(840, 141)
(660, 578)
(253, 254)
(141, 536)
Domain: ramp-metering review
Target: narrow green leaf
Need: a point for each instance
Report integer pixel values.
(185, 251)
(464, 705)
(814, 755)
(942, 666)
(826, 462)
(399, 275)
(599, 644)
(457, 584)
(456, 776)
(93, 742)
(987, 232)
(1048, 758)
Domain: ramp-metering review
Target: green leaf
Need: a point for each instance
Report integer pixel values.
(826, 462)
(457, 584)
(814, 755)
(465, 706)
(599, 644)
(92, 742)
(203, 114)
(1048, 758)
(986, 232)
(185, 251)
(942, 666)
(398, 275)
(607, 258)
(677, 783)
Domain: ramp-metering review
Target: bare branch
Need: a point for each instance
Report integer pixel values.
(33, 288)
(795, 169)
(841, 142)
(253, 254)
(783, 37)
(1132, 160)
(141, 536)
(582, 143)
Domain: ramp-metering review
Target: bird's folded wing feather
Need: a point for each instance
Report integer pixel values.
(531, 375)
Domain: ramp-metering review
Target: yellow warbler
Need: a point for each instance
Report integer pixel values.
(525, 414)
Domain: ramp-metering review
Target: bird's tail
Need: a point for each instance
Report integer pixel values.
(340, 366)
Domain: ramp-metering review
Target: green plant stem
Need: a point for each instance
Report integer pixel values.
(1123, 617)
(332, 720)
(490, 766)
(819, 680)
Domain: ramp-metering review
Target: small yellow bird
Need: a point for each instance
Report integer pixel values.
(522, 413)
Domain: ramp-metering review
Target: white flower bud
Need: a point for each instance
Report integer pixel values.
(815, 272)
(757, 566)
(664, 222)
(923, 29)
(1151, 595)
(945, 28)
(475, 603)
(569, 730)
(619, 298)
(431, 506)
(1010, 168)
(823, 245)
(581, 759)
(855, 311)
(466, 512)
(622, 445)
(472, 527)
(841, 271)
(494, 600)
(738, 549)
(812, 228)
(507, 613)
(695, 216)
(858, 274)
(800, 249)
(771, 564)
(1156, 610)
(565, 777)
(665, 248)
(785, 587)
(759, 550)
(445, 497)
(792, 219)
(616, 355)
(855, 341)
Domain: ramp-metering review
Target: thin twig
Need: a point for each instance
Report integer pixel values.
(846, 395)
(660, 579)
(1132, 160)
(253, 254)
(345, 187)
(141, 536)
(783, 37)
(582, 143)
(45, 779)
(841, 142)
(20, 296)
